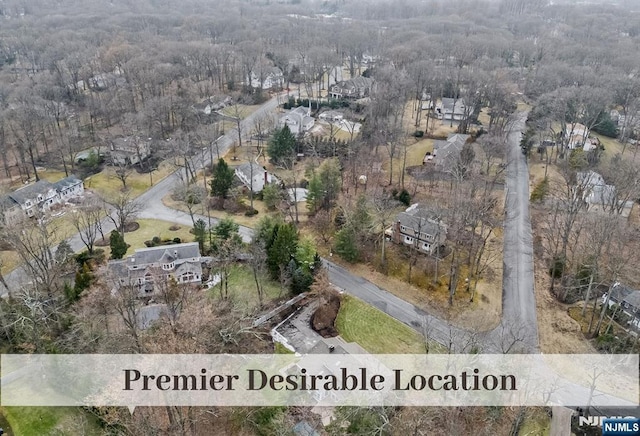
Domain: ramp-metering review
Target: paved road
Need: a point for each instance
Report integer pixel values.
(152, 198)
(518, 299)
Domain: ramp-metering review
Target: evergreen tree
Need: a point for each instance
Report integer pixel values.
(118, 245)
(282, 249)
(200, 231)
(222, 179)
(346, 244)
(282, 147)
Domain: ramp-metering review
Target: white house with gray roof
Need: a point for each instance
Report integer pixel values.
(628, 299)
(148, 266)
(299, 120)
(358, 87)
(420, 228)
(254, 177)
(39, 197)
(451, 109)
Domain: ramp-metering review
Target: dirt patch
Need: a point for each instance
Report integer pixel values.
(102, 242)
(324, 318)
(131, 227)
(174, 228)
(557, 331)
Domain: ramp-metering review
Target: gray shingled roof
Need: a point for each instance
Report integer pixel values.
(633, 299)
(6, 202)
(447, 152)
(31, 191)
(67, 182)
(448, 103)
(420, 218)
(619, 292)
(145, 256)
(245, 169)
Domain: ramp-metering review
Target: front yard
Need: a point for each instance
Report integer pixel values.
(377, 332)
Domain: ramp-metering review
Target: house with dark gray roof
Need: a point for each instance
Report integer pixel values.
(451, 109)
(358, 87)
(150, 266)
(420, 228)
(129, 150)
(69, 187)
(254, 177)
(446, 154)
(38, 197)
(628, 299)
(299, 120)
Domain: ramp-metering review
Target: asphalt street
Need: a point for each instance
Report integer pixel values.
(518, 326)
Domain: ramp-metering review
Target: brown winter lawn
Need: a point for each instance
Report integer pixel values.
(107, 185)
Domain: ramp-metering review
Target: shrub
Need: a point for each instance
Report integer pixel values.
(251, 212)
(418, 133)
(557, 267)
(404, 197)
(177, 240)
(156, 240)
(149, 243)
(540, 191)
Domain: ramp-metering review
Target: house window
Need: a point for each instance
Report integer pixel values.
(27, 203)
(403, 228)
(168, 266)
(39, 197)
(187, 277)
(426, 246)
(140, 280)
(408, 239)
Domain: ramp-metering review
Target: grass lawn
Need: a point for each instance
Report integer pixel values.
(107, 185)
(376, 331)
(243, 110)
(417, 151)
(10, 261)
(150, 228)
(27, 421)
(242, 288)
(536, 422)
(239, 218)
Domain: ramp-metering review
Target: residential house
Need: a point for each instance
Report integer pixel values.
(10, 211)
(69, 187)
(38, 198)
(420, 228)
(451, 109)
(331, 116)
(576, 135)
(446, 154)
(358, 87)
(129, 150)
(272, 78)
(148, 267)
(628, 299)
(298, 119)
(211, 104)
(599, 196)
(252, 171)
